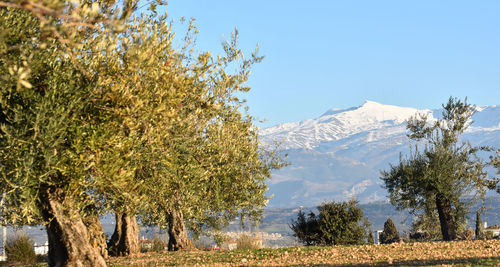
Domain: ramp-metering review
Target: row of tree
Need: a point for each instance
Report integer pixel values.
(103, 110)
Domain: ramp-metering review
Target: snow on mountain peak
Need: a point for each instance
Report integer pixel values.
(338, 123)
(375, 112)
(339, 154)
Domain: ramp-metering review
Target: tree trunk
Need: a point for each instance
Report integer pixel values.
(96, 234)
(178, 239)
(448, 228)
(125, 238)
(68, 237)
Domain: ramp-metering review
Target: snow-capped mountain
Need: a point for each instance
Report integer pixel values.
(340, 154)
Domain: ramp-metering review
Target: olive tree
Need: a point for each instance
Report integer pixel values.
(214, 167)
(439, 176)
(45, 111)
(53, 118)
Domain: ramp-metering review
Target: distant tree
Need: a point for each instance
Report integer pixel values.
(495, 183)
(370, 239)
(438, 177)
(390, 233)
(338, 223)
(306, 228)
(479, 226)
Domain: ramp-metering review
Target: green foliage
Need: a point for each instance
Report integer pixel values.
(370, 240)
(437, 178)
(109, 112)
(424, 227)
(338, 223)
(43, 120)
(390, 233)
(20, 250)
(306, 228)
(220, 238)
(479, 231)
(157, 244)
(488, 235)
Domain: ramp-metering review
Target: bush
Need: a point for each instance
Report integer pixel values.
(20, 250)
(306, 229)
(155, 245)
(338, 223)
(220, 239)
(158, 245)
(370, 240)
(246, 242)
(426, 227)
(488, 235)
(390, 233)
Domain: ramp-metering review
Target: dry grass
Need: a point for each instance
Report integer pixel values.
(460, 253)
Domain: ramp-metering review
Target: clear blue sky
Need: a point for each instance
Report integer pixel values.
(337, 54)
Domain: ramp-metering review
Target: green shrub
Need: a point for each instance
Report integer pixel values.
(220, 239)
(20, 250)
(370, 240)
(488, 235)
(390, 233)
(306, 228)
(338, 223)
(426, 227)
(246, 242)
(155, 245)
(158, 244)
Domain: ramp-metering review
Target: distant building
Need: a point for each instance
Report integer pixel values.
(231, 245)
(41, 249)
(494, 230)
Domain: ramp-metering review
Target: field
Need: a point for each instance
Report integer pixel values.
(457, 253)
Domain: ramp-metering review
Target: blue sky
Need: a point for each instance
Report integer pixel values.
(337, 54)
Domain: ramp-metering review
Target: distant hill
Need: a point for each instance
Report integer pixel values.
(339, 155)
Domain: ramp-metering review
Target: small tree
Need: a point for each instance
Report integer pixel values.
(479, 226)
(438, 177)
(390, 233)
(370, 240)
(306, 228)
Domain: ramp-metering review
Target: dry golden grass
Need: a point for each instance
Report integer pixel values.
(460, 253)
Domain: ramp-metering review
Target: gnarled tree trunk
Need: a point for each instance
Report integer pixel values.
(125, 238)
(178, 239)
(68, 236)
(96, 234)
(446, 219)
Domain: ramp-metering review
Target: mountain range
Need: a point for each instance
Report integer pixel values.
(339, 155)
